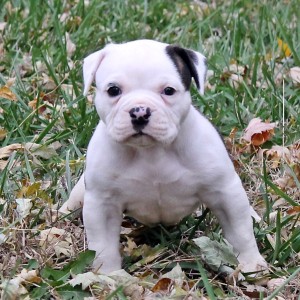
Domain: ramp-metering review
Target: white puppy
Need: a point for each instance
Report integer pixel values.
(153, 156)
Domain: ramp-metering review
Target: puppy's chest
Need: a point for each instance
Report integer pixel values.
(158, 193)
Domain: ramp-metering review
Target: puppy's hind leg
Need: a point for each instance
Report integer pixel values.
(76, 198)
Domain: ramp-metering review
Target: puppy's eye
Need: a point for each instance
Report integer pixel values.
(169, 91)
(114, 91)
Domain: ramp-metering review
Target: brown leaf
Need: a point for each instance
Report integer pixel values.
(7, 150)
(3, 133)
(41, 101)
(258, 132)
(276, 154)
(294, 210)
(163, 285)
(6, 93)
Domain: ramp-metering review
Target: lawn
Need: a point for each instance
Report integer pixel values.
(253, 51)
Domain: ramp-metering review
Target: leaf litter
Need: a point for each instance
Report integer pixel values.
(54, 243)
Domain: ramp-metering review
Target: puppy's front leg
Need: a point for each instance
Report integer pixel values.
(231, 206)
(102, 222)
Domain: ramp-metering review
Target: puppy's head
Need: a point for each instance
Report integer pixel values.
(143, 89)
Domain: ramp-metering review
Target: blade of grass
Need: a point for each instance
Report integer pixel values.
(284, 284)
(207, 285)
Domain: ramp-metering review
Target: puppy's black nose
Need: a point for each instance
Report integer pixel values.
(139, 117)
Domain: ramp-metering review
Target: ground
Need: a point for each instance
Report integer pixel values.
(252, 96)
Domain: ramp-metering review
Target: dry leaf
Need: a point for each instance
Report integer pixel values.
(284, 48)
(85, 279)
(235, 74)
(129, 246)
(294, 210)
(23, 207)
(276, 154)
(6, 93)
(42, 151)
(275, 283)
(7, 150)
(3, 133)
(13, 289)
(295, 74)
(163, 285)
(258, 132)
(30, 276)
(59, 239)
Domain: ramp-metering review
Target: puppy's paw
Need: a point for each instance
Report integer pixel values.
(106, 267)
(254, 265)
(68, 208)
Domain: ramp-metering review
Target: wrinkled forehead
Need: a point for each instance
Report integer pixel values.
(136, 57)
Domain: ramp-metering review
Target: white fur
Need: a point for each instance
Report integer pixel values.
(164, 175)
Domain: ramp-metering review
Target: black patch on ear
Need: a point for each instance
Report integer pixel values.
(184, 61)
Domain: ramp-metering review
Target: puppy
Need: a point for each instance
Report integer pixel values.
(153, 156)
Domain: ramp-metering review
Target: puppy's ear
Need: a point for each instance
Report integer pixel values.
(200, 63)
(90, 66)
(190, 64)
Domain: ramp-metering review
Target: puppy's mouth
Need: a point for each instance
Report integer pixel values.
(140, 133)
(141, 139)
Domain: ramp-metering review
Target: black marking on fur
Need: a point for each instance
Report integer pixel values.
(184, 61)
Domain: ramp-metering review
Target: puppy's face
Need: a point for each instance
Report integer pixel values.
(143, 91)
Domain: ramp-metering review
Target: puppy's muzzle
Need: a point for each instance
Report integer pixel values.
(139, 117)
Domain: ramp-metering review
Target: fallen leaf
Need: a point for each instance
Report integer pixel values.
(176, 274)
(278, 152)
(275, 155)
(23, 207)
(42, 101)
(275, 283)
(6, 93)
(12, 289)
(294, 210)
(8, 150)
(214, 253)
(29, 276)
(57, 238)
(148, 253)
(85, 279)
(163, 285)
(42, 151)
(48, 83)
(295, 74)
(3, 164)
(129, 246)
(3, 133)
(122, 277)
(116, 278)
(258, 132)
(235, 74)
(284, 48)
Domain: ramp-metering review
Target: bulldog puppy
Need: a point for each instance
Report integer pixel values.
(153, 156)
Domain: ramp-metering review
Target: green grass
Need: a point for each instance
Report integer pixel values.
(35, 63)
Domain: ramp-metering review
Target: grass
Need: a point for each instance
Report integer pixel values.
(49, 110)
